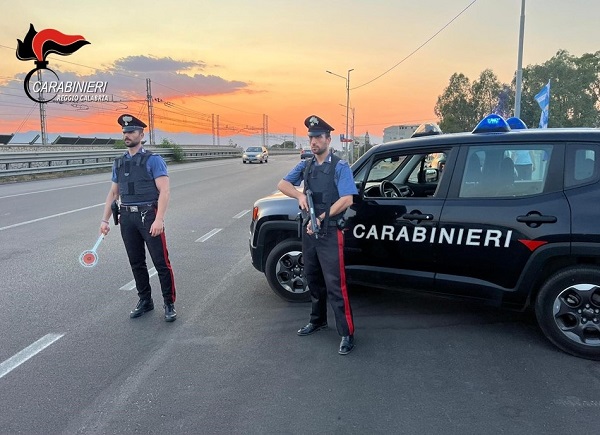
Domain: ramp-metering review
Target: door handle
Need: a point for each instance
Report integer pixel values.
(535, 219)
(417, 216)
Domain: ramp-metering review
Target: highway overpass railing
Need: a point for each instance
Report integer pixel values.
(14, 163)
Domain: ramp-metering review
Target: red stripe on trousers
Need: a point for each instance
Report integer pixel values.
(166, 255)
(347, 309)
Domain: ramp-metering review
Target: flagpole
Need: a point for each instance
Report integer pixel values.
(520, 63)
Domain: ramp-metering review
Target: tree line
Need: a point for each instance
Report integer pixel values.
(574, 95)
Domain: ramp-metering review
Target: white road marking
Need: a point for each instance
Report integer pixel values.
(52, 190)
(131, 284)
(30, 351)
(211, 165)
(103, 182)
(49, 217)
(240, 214)
(208, 235)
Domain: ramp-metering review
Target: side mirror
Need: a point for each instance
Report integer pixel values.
(429, 175)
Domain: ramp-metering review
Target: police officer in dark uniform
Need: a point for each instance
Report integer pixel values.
(141, 181)
(332, 185)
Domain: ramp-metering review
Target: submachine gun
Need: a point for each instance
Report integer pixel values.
(311, 212)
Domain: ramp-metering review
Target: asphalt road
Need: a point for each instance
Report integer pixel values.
(72, 361)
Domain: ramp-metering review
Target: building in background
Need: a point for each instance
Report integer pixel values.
(396, 132)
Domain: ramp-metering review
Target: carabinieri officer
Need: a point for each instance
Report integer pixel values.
(332, 184)
(141, 181)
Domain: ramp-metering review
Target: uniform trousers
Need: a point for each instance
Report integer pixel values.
(326, 278)
(135, 230)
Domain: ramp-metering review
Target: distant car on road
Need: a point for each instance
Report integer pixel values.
(305, 152)
(255, 154)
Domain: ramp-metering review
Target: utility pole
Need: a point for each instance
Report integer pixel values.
(213, 129)
(350, 151)
(520, 63)
(218, 132)
(150, 111)
(348, 114)
(42, 114)
(353, 135)
(266, 131)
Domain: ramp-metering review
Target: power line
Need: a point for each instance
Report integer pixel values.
(206, 101)
(418, 48)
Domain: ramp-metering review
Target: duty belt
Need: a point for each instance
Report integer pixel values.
(330, 223)
(137, 208)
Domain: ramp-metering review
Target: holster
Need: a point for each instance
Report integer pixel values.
(115, 211)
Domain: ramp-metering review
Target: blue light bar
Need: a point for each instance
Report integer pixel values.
(516, 123)
(492, 124)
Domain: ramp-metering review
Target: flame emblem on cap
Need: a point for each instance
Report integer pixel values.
(313, 121)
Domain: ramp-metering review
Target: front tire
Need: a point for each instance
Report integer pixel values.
(568, 310)
(285, 271)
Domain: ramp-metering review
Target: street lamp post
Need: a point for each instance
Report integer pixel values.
(350, 153)
(352, 130)
(519, 78)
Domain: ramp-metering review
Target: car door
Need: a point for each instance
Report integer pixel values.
(387, 237)
(493, 220)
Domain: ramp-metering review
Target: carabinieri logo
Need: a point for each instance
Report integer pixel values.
(37, 46)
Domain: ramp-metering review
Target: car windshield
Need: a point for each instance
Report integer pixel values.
(382, 169)
(253, 149)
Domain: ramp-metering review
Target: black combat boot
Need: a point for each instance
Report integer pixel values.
(170, 314)
(143, 306)
(346, 345)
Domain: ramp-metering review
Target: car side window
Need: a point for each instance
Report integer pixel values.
(404, 174)
(505, 171)
(581, 164)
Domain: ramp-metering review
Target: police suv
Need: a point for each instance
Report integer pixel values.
(481, 227)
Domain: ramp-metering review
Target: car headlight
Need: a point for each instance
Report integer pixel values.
(244, 156)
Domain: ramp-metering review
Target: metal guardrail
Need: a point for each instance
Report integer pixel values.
(41, 162)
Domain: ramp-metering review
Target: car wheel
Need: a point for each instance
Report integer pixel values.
(285, 271)
(244, 161)
(266, 160)
(568, 310)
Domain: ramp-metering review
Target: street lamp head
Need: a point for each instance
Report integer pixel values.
(332, 73)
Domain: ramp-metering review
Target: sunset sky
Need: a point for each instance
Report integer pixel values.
(242, 59)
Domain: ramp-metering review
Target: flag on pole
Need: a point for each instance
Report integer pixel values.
(543, 99)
